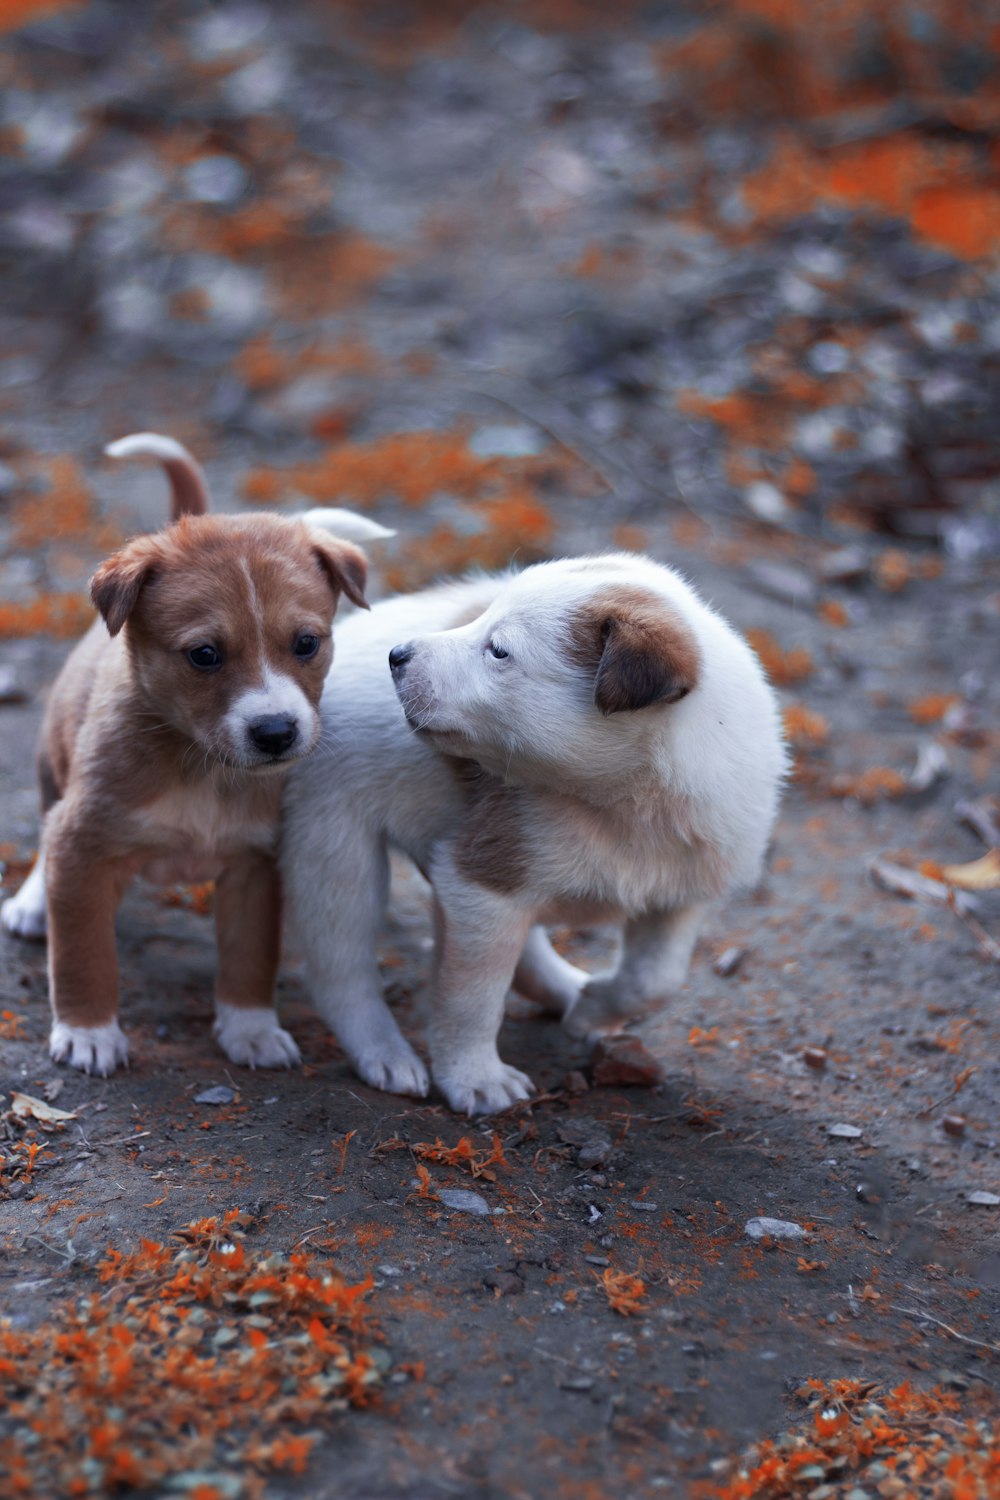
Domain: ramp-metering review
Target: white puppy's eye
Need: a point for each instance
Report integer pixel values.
(498, 651)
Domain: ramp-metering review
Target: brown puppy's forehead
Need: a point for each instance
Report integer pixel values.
(221, 582)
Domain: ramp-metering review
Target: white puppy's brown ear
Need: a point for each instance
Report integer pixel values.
(345, 565)
(118, 582)
(641, 650)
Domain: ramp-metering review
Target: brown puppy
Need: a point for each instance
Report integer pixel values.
(164, 748)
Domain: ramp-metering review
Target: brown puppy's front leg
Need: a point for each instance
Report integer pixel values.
(248, 934)
(83, 891)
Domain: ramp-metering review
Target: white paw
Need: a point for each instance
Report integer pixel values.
(92, 1049)
(482, 1086)
(252, 1037)
(393, 1066)
(24, 913)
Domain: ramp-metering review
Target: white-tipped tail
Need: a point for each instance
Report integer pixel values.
(188, 487)
(346, 524)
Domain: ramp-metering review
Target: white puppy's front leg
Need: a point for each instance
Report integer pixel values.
(336, 883)
(480, 935)
(656, 955)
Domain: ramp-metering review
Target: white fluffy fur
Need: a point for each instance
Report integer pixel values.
(92, 1049)
(251, 1037)
(25, 913)
(642, 815)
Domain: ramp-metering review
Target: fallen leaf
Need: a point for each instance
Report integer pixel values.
(903, 882)
(25, 1107)
(978, 875)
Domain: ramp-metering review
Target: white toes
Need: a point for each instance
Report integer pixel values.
(24, 914)
(252, 1038)
(483, 1090)
(397, 1069)
(92, 1049)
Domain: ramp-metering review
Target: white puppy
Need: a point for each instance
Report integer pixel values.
(583, 742)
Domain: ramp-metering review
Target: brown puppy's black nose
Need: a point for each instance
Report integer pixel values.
(274, 736)
(399, 656)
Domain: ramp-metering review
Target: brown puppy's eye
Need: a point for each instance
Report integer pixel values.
(306, 646)
(205, 658)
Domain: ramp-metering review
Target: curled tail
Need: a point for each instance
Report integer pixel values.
(188, 489)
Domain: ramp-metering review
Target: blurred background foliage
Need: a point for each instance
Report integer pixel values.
(714, 279)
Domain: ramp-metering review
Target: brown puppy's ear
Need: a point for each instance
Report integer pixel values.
(346, 567)
(645, 651)
(118, 582)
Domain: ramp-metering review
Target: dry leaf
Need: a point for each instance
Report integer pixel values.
(978, 875)
(25, 1107)
(903, 882)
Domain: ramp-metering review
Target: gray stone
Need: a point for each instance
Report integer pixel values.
(773, 1229)
(464, 1201)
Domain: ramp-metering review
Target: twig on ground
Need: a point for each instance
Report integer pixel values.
(963, 1338)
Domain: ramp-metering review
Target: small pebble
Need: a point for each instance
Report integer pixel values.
(504, 1283)
(775, 1229)
(844, 1132)
(953, 1124)
(814, 1057)
(219, 1094)
(623, 1062)
(464, 1202)
(983, 1199)
(11, 690)
(729, 961)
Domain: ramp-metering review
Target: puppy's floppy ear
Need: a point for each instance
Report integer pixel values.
(345, 565)
(118, 582)
(646, 652)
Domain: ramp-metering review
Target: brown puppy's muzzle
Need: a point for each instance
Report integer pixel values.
(274, 736)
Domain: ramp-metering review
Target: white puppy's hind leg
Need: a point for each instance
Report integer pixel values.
(336, 900)
(24, 914)
(544, 976)
(656, 956)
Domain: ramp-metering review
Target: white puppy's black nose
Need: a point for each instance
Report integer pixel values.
(399, 656)
(275, 735)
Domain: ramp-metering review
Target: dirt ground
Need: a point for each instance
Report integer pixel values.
(709, 282)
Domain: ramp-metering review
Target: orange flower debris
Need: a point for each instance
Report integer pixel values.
(64, 509)
(932, 708)
(782, 667)
(870, 785)
(59, 615)
(624, 1291)
(464, 1153)
(914, 1436)
(197, 1357)
(804, 728)
(15, 13)
(11, 1026)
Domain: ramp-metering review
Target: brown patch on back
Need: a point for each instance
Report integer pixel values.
(639, 648)
(492, 850)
